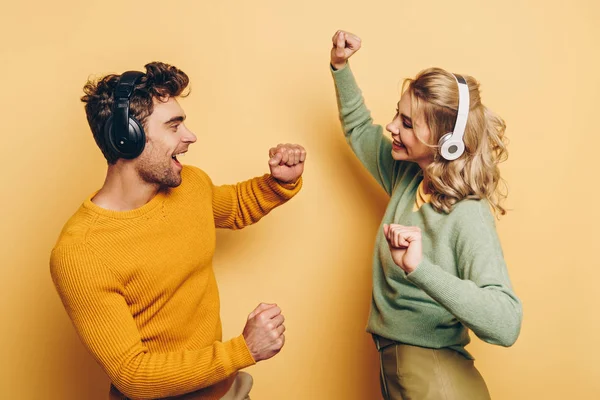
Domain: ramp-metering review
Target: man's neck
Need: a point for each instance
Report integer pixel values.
(124, 189)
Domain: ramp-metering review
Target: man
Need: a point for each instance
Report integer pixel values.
(133, 265)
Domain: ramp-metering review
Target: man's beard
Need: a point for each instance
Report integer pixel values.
(159, 173)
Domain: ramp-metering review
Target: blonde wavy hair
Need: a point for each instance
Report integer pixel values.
(475, 175)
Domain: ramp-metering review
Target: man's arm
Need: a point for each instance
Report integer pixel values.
(237, 206)
(94, 299)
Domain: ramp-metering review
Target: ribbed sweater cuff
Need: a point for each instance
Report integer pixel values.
(239, 353)
(284, 190)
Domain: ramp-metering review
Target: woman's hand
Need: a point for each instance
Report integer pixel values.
(405, 245)
(345, 45)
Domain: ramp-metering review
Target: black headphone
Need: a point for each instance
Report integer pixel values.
(124, 134)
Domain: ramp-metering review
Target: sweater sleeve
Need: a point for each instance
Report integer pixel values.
(481, 297)
(245, 203)
(93, 298)
(366, 139)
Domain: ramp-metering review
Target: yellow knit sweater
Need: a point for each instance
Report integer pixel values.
(140, 289)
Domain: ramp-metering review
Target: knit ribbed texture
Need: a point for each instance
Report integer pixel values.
(140, 288)
(462, 282)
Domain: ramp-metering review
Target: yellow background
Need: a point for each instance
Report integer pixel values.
(259, 73)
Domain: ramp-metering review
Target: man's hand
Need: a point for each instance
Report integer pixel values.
(264, 331)
(286, 162)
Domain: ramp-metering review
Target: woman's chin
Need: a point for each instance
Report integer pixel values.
(400, 155)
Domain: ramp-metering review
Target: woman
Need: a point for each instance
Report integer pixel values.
(438, 268)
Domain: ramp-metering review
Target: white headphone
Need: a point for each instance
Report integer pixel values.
(451, 144)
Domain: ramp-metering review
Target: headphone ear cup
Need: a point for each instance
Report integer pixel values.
(443, 140)
(451, 149)
(137, 138)
(108, 135)
(130, 146)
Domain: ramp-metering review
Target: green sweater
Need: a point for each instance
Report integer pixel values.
(462, 282)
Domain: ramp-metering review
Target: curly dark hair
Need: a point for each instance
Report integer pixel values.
(160, 81)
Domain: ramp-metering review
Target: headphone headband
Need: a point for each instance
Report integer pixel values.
(451, 144)
(125, 134)
(123, 92)
(463, 107)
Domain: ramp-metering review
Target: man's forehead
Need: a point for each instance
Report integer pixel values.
(165, 102)
(169, 108)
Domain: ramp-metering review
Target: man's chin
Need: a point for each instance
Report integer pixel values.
(171, 183)
(164, 178)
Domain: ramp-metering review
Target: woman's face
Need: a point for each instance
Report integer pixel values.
(406, 146)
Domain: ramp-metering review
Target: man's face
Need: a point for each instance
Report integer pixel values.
(166, 137)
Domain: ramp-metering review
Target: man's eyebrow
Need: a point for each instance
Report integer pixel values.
(179, 118)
